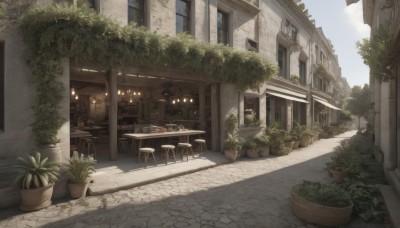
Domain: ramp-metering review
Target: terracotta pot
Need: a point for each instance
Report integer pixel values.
(289, 146)
(252, 153)
(338, 176)
(36, 198)
(264, 152)
(78, 190)
(231, 154)
(52, 152)
(304, 141)
(318, 214)
(296, 144)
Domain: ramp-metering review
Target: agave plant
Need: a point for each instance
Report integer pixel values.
(34, 172)
(80, 168)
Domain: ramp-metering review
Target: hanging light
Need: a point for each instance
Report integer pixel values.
(119, 92)
(134, 93)
(106, 94)
(177, 100)
(76, 97)
(191, 100)
(130, 100)
(123, 93)
(72, 91)
(138, 93)
(173, 101)
(184, 99)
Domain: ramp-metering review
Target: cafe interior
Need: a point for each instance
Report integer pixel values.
(146, 104)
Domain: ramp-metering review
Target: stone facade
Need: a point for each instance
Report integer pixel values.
(262, 23)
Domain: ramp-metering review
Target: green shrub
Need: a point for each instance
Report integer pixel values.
(80, 168)
(323, 194)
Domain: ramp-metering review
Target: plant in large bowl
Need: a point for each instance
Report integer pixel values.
(321, 204)
(251, 147)
(277, 139)
(232, 145)
(341, 162)
(79, 170)
(35, 177)
(263, 144)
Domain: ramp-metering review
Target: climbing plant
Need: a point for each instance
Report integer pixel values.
(55, 32)
(375, 53)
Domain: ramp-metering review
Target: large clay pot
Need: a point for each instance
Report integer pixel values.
(52, 152)
(252, 153)
(289, 146)
(264, 152)
(231, 154)
(78, 190)
(304, 141)
(36, 198)
(296, 144)
(318, 214)
(338, 176)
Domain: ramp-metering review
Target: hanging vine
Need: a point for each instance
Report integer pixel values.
(55, 32)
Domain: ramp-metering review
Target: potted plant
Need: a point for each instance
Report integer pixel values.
(251, 148)
(35, 177)
(295, 134)
(288, 141)
(233, 142)
(295, 79)
(321, 204)
(263, 145)
(305, 137)
(79, 170)
(232, 145)
(277, 137)
(341, 162)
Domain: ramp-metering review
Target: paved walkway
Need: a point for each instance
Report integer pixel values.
(248, 193)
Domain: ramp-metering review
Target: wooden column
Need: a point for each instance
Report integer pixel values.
(202, 105)
(113, 113)
(214, 118)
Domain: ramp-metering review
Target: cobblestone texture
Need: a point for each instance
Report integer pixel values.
(247, 193)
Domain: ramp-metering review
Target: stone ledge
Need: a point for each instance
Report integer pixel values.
(392, 203)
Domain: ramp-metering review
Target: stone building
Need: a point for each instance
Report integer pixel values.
(308, 88)
(384, 99)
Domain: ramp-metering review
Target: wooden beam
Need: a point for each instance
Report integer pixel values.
(113, 113)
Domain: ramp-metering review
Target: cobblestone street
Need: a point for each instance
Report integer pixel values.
(247, 193)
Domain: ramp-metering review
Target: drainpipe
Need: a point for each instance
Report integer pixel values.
(208, 21)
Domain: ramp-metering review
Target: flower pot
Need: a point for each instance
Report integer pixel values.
(252, 153)
(78, 190)
(52, 152)
(36, 198)
(304, 141)
(264, 152)
(296, 144)
(231, 154)
(289, 146)
(338, 176)
(318, 214)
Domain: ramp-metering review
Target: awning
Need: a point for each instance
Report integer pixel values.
(285, 91)
(287, 97)
(326, 104)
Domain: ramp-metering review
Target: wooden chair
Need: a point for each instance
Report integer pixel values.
(201, 144)
(184, 148)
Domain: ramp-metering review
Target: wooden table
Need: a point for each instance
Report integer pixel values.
(137, 138)
(79, 134)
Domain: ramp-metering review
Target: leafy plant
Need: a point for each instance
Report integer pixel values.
(262, 141)
(80, 168)
(254, 121)
(34, 172)
(323, 194)
(231, 123)
(368, 202)
(233, 142)
(375, 53)
(250, 144)
(342, 158)
(295, 79)
(277, 138)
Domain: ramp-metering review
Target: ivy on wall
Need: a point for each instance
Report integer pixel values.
(375, 53)
(55, 32)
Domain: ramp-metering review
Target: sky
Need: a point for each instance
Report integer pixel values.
(344, 26)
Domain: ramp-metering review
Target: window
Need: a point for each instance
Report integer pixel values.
(302, 72)
(294, 33)
(251, 111)
(136, 11)
(222, 27)
(282, 61)
(182, 16)
(1, 86)
(251, 45)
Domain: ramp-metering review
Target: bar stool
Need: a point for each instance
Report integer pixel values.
(201, 143)
(184, 148)
(166, 149)
(122, 145)
(89, 145)
(147, 151)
